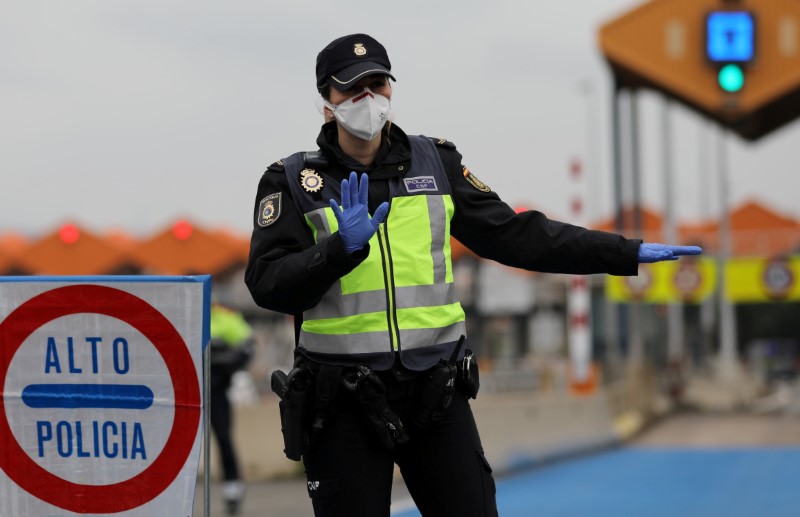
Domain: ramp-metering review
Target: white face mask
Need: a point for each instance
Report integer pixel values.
(363, 115)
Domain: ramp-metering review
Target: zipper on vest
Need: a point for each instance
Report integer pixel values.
(388, 277)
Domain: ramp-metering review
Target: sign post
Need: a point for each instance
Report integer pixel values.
(101, 394)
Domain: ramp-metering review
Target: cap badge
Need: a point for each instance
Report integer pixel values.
(310, 180)
(269, 209)
(359, 50)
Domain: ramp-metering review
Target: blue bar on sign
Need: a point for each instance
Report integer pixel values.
(94, 396)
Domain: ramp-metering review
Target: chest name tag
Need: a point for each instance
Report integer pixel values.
(420, 183)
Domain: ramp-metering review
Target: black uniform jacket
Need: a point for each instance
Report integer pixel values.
(287, 272)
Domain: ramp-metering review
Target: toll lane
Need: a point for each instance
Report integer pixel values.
(689, 465)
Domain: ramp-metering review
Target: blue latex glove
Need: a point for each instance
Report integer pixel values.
(651, 252)
(355, 226)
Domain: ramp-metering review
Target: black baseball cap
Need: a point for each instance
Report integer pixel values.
(348, 59)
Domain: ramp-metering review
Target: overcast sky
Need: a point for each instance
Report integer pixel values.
(131, 114)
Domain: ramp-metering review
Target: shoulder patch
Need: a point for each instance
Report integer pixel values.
(441, 142)
(269, 209)
(276, 167)
(475, 182)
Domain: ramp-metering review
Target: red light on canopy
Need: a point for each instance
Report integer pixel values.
(182, 230)
(69, 233)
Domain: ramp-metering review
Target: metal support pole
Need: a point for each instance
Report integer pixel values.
(207, 431)
(636, 355)
(619, 222)
(615, 314)
(636, 165)
(727, 347)
(674, 310)
(707, 308)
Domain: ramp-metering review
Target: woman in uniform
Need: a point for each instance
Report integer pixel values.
(353, 240)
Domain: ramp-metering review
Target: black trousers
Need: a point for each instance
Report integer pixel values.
(221, 425)
(350, 473)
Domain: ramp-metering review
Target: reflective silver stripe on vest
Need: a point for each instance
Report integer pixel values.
(420, 338)
(330, 305)
(337, 306)
(320, 221)
(424, 295)
(437, 216)
(360, 343)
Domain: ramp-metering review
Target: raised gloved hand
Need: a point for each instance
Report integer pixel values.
(355, 226)
(651, 252)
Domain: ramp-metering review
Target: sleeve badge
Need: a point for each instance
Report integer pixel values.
(475, 182)
(269, 209)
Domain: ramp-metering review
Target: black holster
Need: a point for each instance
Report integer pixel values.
(370, 392)
(295, 392)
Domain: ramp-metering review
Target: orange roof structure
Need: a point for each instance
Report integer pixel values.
(651, 224)
(11, 246)
(754, 216)
(6, 261)
(755, 229)
(240, 244)
(121, 239)
(184, 249)
(72, 250)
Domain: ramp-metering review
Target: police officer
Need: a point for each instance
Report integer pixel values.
(354, 241)
(231, 350)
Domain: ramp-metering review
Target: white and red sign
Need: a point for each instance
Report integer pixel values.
(101, 407)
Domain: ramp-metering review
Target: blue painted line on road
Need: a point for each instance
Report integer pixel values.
(93, 396)
(747, 482)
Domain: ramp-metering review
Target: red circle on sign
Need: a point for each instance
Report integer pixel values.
(687, 279)
(778, 279)
(149, 483)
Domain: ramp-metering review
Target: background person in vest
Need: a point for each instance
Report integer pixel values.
(373, 296)
(231, 350)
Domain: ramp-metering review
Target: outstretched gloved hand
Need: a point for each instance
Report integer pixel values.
(651, 252)
(355, 226)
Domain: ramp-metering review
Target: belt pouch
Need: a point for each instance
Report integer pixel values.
(370, 392)
(436, 394)
(468, 375)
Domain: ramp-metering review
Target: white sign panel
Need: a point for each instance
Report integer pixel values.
(101, 407)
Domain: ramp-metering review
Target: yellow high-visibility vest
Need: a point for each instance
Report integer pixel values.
(401, 298)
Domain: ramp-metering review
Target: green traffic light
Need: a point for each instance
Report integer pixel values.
(731, 78)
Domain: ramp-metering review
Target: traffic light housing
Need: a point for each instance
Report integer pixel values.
(730, 46)
(664, 45)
